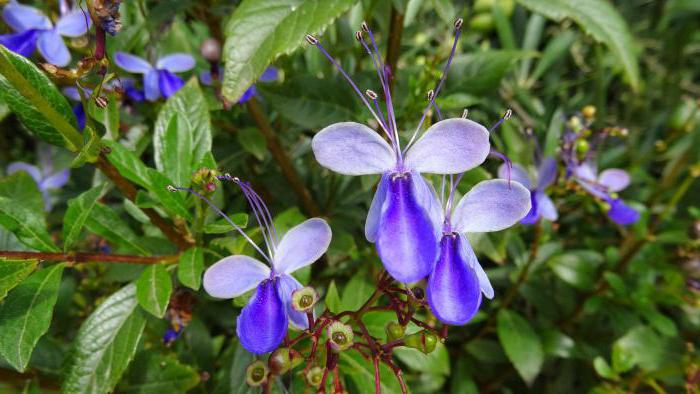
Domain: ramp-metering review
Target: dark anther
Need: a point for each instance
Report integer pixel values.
(431, 95)
(458, 23)
(371, 94)
(364, 26)
(311, 39)
(101, 101)
(358, 35)
(418, 292)
(508, 114)
(465, 114)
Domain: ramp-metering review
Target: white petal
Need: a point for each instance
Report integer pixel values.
(302, 245)
(233, 276)
(518, 173)
(614, 179)
(491, 206)
(352, 149)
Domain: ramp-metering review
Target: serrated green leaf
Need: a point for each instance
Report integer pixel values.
(27, 224)
(37, 102)
(128, 164)
(153, 289)
(12, 272)
(361, 371)
(105, 344)
(171, 201)
(521, 343)
(26, 315)
(190, 268)
(176, 149)
(270, 29)
(156, 373)
(78, 211)
(599, 19)
(191, 104)
(104, 222)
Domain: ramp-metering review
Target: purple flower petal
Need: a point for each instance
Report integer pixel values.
(32, 170)
(491, 206)
(169, 83)
(352, 149)
(80, 117)
(286, 286)
(586, 171)
(622, 213)
(71, 92)
(375, 209)
(546, 173)
(517, 173)
(247, 95)
(136, 95)
(450, 146)
(233, 276)
(73, 24)
(23, 43)
(52, 48)
(453, 290)
(262, 323)
(47, 200)
(546, 207)
(533, 216)
(22, 17)
(55, 181)
(470, 257)
(131, 63)
(302, 245)
(614, 179)
(205, 78)
(175, 63)
(151, 85)
(406, 238)
(269, 75)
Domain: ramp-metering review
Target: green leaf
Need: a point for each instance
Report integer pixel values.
(190, 268)
(222, 226)
(27, 224)
(318, 107)
(603, 369)
(12, 272)
(90, 150)
(20, 186)
(521, 343)
(270, 29)
(557, 343)
(356, 292)
(252, 141)
(599, 19)
(104, 222)
(361, 372)
(26, 315)
(153, 289)
(156, 373)
(171, 201)
(644, 347)
(577, 268)
(176, 150)
(435, 363)
(481, 72)
(108, 116)
(128, 164)
(37, 102)
(332, 299)
(189, 102)
(231, 376)
(78, 211)
(554, 51)
(105, 344)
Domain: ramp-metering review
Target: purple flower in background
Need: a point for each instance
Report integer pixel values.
(262, 324)
(44, 175)
(269, 75)
(605, 186)
(159, 80)
(542, 205)
(73, 94)
(34, 30)
(401, 219)
(456, 284)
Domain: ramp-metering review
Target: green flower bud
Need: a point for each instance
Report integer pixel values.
(304, 299)
(424, 341)
(256, 374)
(588, 111)
(582, 147)
(340, 336)
(394, 331)
(279, 361)
(314, 376)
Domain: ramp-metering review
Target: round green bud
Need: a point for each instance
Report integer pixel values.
(394, 331)
(588, 111)
(424, 341)
(280, 361)
(304, 299)
(340, 336)
(256, 374)
(314, 376)
(582, 147)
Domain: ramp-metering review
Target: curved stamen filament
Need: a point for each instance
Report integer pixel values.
(506, 161)
(223, 215)
(505, 117)
(267, 217)
(458, 30)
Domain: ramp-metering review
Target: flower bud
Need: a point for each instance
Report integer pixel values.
(394, 331)
(588, 112)
(582, 146)
(256, 374)
(418, 292)
(210, 50)
(280, 361)
(424, 341)
(314, 376)
(304, 299)
(340, 336)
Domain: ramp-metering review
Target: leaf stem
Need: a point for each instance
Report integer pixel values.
(90, 257)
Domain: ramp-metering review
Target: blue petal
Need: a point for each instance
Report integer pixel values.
(453, 291)
(23, 17)
(286, 286)
(151, 85)
(533, 216)
(169, 83)
(177, 62)
(622, 213)
(205, 78)
(52, 48)
(22, 43)
(269, 75)
(375, 209)
(73, 24)
(262, 324)
(406, 238)
(132, 63)
(247, 95)
(80, 115)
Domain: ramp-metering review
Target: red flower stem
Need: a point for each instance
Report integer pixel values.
(90, 257)
(336, 381)
(99, 42)
(424, 325)
(389, 346)
(397, 371)
(377, 378)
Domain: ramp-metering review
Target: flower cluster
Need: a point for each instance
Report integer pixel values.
(159, 79)
(45, 175)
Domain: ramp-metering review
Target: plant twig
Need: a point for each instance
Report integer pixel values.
(394, 47)
(89, 257)
(281, 157)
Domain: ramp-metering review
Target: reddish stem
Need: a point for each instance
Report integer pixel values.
(90, 257)
(377, 378)
(100, 41)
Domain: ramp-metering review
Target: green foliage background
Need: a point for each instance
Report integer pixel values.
(581, 305)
